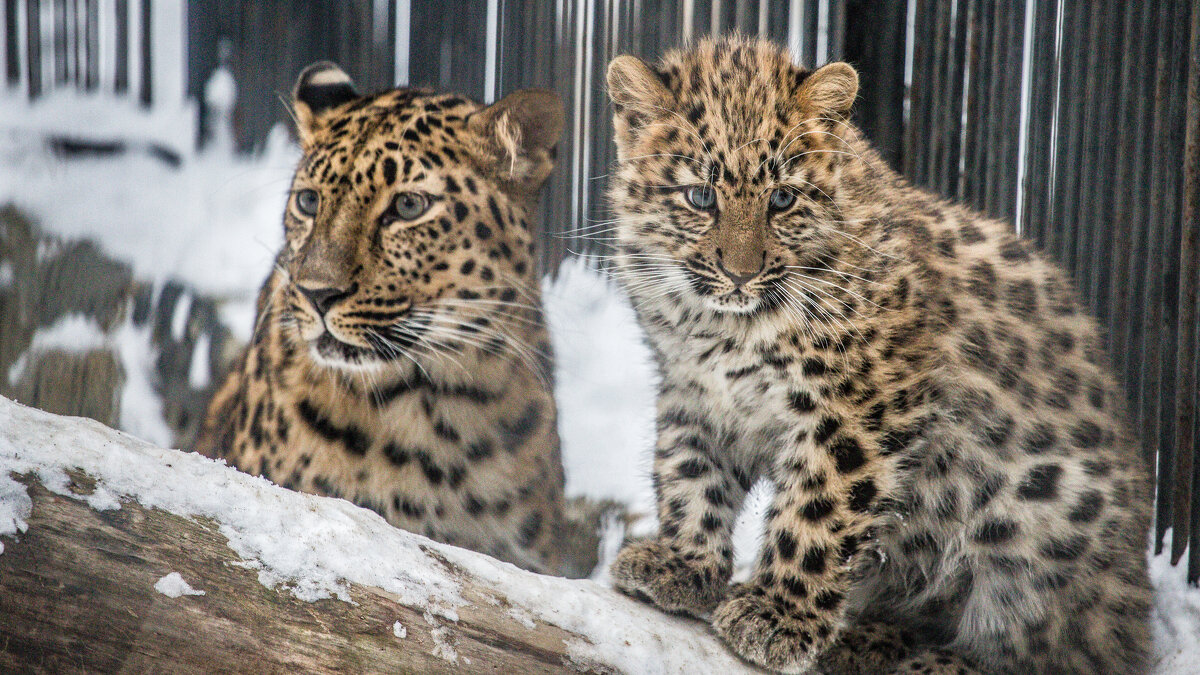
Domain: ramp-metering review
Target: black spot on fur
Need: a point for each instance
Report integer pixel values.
(847, 453)
(802, 402)
(813, 367)
(861, 495)
(692, 468)
(827, 600)
(817, 509)
(1086, 435)
(795, 586)
(516, 432)
(987, 489)
(995, 532)
(1067, 549)
(397, 455)
(1088, 508)
(529, 530)
(785, 543)
(826, 428)
(351, 437)
(1039, 439)
(813, 561)
(1041, 483)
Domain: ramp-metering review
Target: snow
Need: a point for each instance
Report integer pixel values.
(198, 377)
(220, 91)
(15, 507)
(399, 630)
(72, 333)
(173, 586)
(316, 547)
(1176, 616)
(604, 387)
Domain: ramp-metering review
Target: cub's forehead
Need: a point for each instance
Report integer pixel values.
(735, 90)
(731, 70)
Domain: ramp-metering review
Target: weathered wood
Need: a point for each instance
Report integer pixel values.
(77, 593)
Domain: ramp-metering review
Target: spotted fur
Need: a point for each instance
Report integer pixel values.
(402, 363)
(956, 489)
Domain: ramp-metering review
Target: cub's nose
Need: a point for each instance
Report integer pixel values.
(323, 299)
(739, 276)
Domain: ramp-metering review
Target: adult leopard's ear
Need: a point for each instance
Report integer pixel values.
(830, 89)
(522, 130)
(320, 88)
(638, 94)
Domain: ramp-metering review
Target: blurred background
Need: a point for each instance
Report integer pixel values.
(145, 150)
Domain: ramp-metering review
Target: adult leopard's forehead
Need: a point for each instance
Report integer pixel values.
(416, 125)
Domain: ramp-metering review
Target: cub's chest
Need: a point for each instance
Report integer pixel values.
(736, 381)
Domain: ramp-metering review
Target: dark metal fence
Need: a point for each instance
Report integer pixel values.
(1078, 121)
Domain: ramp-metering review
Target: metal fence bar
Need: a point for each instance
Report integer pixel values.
(1187, 430)
(1170, 182)
(1039, 139)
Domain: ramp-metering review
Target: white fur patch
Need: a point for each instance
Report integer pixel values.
(327, 76)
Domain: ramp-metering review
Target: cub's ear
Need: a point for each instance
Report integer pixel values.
(319, 88)
(830, 89)
(522, 129)
(638, 95)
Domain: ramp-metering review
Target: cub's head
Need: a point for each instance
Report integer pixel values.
(729, 163)
(408, 224)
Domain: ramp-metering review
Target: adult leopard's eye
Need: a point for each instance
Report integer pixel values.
(782, 199)
(307, 202)
(407, 206)
(703, 198)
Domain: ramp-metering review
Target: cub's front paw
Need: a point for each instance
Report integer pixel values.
(672, 579)
(771, 633)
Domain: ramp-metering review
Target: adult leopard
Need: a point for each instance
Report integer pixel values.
(399, 358)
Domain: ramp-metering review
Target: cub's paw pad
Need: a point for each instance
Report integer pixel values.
(768, 631)
(670, 578)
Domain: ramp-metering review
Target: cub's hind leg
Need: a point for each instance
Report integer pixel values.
(867, 647)
(935, 662)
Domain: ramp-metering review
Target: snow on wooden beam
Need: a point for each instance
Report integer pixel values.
(117, 555)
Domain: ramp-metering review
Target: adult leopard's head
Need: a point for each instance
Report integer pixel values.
(408, 234)
(729, 159)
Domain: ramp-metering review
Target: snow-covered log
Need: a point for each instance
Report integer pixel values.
(119, 556)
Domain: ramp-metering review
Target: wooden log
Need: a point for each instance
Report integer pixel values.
(95, 519)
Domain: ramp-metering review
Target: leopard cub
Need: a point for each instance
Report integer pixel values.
(956, 489)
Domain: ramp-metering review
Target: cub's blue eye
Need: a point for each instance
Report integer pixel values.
(407, 206)
(307, 202)
(703, 198)
(782, 199)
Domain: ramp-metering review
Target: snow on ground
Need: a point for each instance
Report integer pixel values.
(214, 223)
(173, 586)
(315, 547)
(1176, 615)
